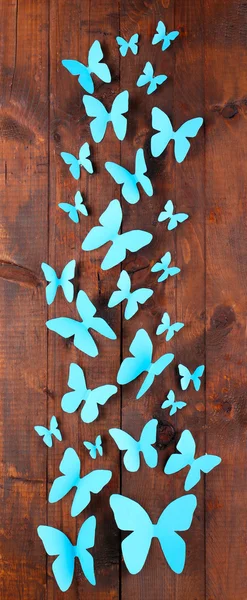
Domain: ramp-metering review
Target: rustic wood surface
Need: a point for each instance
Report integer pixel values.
(41, 115)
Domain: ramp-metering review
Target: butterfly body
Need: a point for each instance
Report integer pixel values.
(167, 326)
(76, 163)
(95, 66)
(187, 377)
(101, 117)
(174, 219)
(163, 265)
(73, 211)
(48, 433)
(130, 181)
(162, 36)
(147, 78)
(124, 46)
(134, 447)
(133, 298)
(54, 282)
(160, 140)
(172, 404)
(94, 448)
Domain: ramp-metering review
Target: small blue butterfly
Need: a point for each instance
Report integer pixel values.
(92, 398)
(124, 46)
(48, 433)
(187, 448)
(160, 140)
(77, 163)
(133, 298)
(54, 282)
(148, 78)
(95, 108)
(166, 326)
(173, 219)
(162, 36)
(172, 404)
(164, 266)
(129, 180)
(74, 210)
(95, 55)
(94, 448)
(134, 448)
(187, 377)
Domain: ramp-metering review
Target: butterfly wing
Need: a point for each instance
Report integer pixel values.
(67, 274)
(70, 210)
(99, 395)
(133, 43)
(70, 467)
(51, 278)
(71, 160)
(85, 540)
(40, 430)
(155, 369)
(72, 400)
(162, 123)
(177, 516)
(95, 55)
(122, 176)
(123, 45)
(205, 464)
(175, 219)
(187, 130)
(124, 285)
(140, 170)
(84, 161)
(185, 375)
(196, 377)
(141, 348)
(167, 212)
(126, 442)
(92, 483)
(119, 107)
(55, 543)
(160, 33)
(110, 222)
(77, 68)
(95, 108)
(186, 446)
(79, 206)
(91, 448)
(148, 437)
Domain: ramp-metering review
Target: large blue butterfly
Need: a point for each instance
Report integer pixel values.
(77, 163)
(187, 377)
(160, 140)
(73, 211)
(162, 36)
(47, 434)
(134, 447)
(174, 219)
(85, 79)
(95, 108)
(129, 180)
(124, 46)
(167, 326)
(133, 298)
(71, 401)
(163, 265)
(147, 77)
(54, 282)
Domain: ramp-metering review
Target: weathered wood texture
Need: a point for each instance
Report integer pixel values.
(40, 115)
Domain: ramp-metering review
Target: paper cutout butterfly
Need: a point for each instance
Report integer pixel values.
(163, 265)
(95, 108)
(187, 448)
(129, 180)
(142, 350)
(147, 77)
(130, 516)
(83, 340)
(124, 46)
(56, 543)
(85, 79)
(187, 377)
(162, 36)
(74, 210)
(94, 448)
(48, 433)
(172, 404)
(77, 163)
(174, 219)
(54, 282)
(167, 326)
(110, 223)
(160, 140)
(134, 448)
(92, 483)
(91, 398)
(133, 298)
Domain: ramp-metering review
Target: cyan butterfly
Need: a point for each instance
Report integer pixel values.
(57, 544)
(163, 265)
(130, 516)
(124, 46)
(77, 163)
(147, 78)
(160, 140)
(83, 340)
(91, 398)
(110, 223)
(133, 298)
(134, 448)
(94, 448)
(129, 180)
(167, 326)
(162, 36)
(84, 72)
(47, 434)
(168, 213)
(187, 448)
(142, 350)
(74, 210)
(92, 483)
(187, 377)
(95, 108)
(171, 403)
(54, 282)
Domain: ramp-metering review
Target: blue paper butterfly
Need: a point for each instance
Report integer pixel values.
(94, 448)
(48, 433)
(92, 483)
(130, 516)
(85, 79)
(164, 266)
(174, 219)
(95, 108)
(77, 163)
(110, 223)
(54, 282)
(57, 544)
(133, 298)
(129, 180)
(134, 448)
(166, 326)
(187, 377)
(91, 398)
(142, 350)
(124, 46)
(172, 404)
(162, 36)
(176, 462)
(83, 340)
(159, 141)
(147, 77)
(74, 210)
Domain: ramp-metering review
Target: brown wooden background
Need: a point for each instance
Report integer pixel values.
(41, 115)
